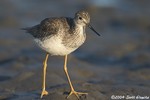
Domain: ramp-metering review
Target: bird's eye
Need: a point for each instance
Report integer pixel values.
(80, 18)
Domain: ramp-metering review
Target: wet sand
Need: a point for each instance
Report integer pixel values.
(115, 64)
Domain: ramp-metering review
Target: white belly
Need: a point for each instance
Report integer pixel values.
(54, 46)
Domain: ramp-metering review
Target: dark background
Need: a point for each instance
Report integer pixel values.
(118, 62)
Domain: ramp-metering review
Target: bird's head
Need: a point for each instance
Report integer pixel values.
(82, 18)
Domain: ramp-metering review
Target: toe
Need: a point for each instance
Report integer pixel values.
(76, 94)
(44, 92)
(82, 93)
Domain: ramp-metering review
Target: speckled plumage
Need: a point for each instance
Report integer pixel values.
(68, 33)
(49, 26)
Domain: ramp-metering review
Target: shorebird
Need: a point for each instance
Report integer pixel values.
(59, 37)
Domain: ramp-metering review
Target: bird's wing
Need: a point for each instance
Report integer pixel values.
(46, 28)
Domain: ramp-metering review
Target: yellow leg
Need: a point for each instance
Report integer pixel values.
(44, 92)
(69, 81)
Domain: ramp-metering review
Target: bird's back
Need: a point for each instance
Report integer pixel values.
(50, 26)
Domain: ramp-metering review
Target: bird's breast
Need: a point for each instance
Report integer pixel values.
(54, 46)
(75, 39)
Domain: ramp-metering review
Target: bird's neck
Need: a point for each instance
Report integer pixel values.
(78, 27)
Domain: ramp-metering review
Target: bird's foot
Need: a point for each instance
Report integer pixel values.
(76, 94)
(44, 92)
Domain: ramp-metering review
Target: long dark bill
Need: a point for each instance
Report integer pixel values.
(93, 30)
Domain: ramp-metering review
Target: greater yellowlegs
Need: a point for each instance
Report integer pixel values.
(61, 36)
